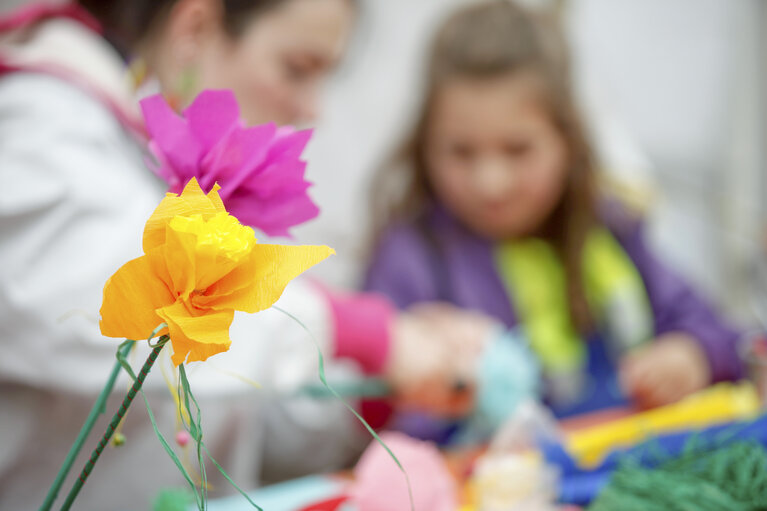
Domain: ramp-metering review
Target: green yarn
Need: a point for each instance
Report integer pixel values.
(731, 478)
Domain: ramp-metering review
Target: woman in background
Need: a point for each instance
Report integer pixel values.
(75, 199)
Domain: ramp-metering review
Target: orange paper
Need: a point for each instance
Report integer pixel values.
(199, 266)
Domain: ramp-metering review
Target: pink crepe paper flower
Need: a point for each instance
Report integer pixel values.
(379, 484)
(259, 168)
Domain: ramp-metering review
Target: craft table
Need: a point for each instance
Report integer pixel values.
(324, 492)
(592, 437)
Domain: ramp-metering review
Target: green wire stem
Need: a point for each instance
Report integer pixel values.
(111, 428)
(99, 407)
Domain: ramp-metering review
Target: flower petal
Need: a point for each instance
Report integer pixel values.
(274, 216)
(215, 199)
(191, 266)
(279, 176)
(236, 156)
(290, 142)
(194, 334)
(179, 253)
(131, 297)
(172, 139)
(212, 114)
(191, 201)
(259, 282)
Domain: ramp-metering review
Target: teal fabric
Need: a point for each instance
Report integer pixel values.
(508, 375)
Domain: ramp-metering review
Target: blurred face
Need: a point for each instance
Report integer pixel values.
(494, 157)
(277, 65)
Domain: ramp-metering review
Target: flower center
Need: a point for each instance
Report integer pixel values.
(221, 234)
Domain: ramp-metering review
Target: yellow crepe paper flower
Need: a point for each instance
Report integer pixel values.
(199, 266)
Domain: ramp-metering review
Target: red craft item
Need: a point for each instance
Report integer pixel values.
(327, 505)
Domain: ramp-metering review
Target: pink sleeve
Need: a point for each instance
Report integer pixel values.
(362, 328)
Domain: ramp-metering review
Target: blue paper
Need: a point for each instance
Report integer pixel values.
(287, 496)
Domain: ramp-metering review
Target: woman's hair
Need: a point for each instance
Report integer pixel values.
(489, 40)
(132, 21)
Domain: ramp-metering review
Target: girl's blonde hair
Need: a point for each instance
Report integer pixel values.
(488, 40)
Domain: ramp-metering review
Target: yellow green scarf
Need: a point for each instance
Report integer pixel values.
(535, 278)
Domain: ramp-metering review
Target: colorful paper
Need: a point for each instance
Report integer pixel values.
(722, 403)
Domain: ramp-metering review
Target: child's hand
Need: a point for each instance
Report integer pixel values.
(672, 367)
(434, 359)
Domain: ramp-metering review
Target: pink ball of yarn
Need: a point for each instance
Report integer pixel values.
(380, 485)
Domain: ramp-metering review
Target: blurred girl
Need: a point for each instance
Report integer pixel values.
(76, 195)
(500, 214)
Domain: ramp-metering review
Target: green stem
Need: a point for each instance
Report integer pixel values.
(111, 428)
(98, 408)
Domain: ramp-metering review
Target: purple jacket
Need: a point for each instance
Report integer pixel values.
(440, 260)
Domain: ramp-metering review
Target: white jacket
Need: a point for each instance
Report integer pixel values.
(74, 198)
